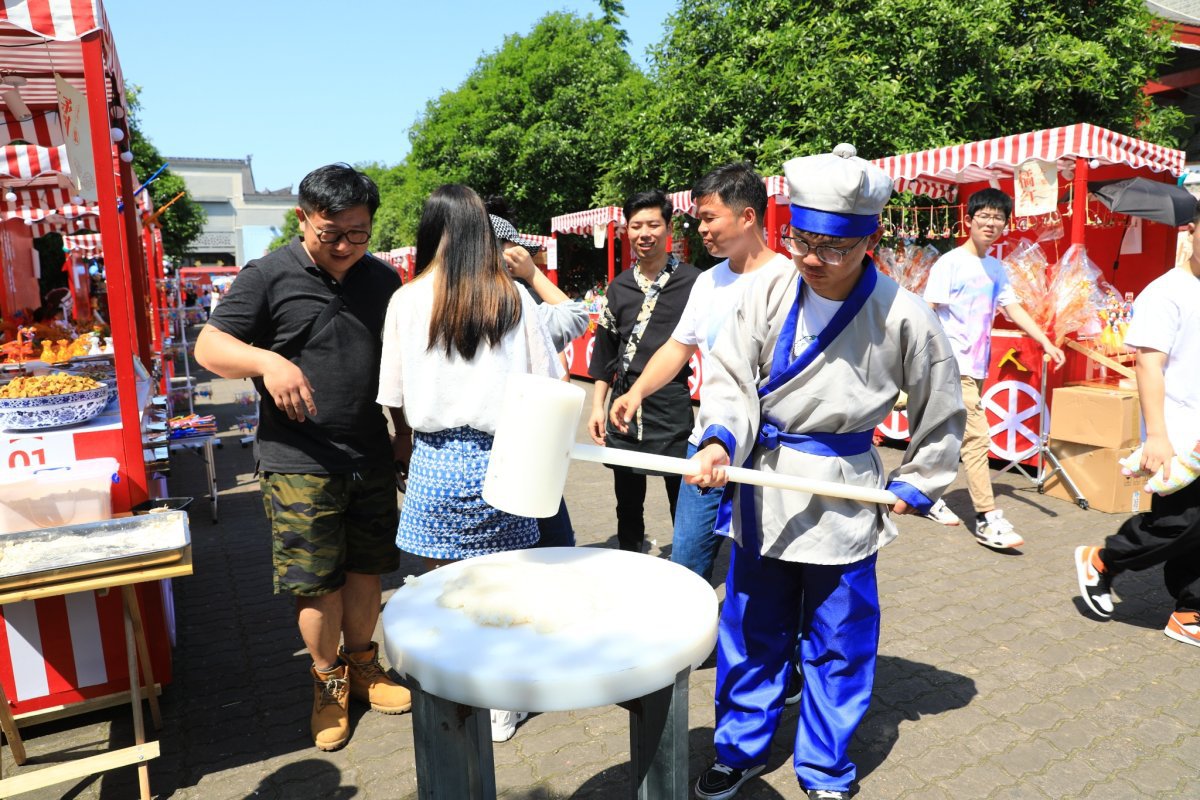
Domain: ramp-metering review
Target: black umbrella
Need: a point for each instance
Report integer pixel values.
(1140, 197)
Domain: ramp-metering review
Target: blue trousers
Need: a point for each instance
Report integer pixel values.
(835, 610)
(693, 544)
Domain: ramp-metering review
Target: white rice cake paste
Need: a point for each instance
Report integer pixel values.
(548, 597)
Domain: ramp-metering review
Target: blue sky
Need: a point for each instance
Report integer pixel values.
(299, 84)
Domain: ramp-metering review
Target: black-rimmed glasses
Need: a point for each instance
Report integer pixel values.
(333, 237)
(824, 253)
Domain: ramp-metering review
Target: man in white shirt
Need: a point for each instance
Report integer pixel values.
(731, 202)
(966, 287)
(1166, 332)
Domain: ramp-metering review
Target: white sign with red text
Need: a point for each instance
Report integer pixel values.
(73, 111)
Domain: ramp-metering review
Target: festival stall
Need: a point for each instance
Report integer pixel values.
(1081, 293)
(401, 259)
(1063, 250)
(71, 445)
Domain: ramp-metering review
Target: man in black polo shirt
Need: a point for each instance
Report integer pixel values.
(305, 323)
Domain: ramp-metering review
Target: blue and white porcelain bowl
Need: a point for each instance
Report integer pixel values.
(53, 411)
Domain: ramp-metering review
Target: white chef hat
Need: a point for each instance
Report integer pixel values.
(836, 194)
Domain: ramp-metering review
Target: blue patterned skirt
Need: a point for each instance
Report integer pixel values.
(444, 515)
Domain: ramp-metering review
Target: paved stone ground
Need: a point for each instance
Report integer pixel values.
(992, 683)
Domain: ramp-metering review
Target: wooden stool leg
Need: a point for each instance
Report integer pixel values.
(453, 746)
(9, 726)
(135, 693)
(139, 633)
(658, 742)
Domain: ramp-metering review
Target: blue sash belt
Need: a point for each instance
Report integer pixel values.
(816, 443)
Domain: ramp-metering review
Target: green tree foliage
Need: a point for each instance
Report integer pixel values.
(537, 121)
(185, 219)
(768, 80)
(612, 11)
(289, 230)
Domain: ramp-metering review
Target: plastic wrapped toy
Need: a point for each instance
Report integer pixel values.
(907, 264)
(1183, 471)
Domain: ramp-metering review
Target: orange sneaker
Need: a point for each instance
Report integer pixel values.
(1184, 626)
(1095, 587)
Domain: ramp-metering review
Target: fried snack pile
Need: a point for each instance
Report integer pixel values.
(46, 386)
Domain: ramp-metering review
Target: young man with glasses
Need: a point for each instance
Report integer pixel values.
(966, 287)
(814, 357)
(305, 322)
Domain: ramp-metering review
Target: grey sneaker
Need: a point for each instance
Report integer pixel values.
(941, 514)
(996, 532)
(827, 794)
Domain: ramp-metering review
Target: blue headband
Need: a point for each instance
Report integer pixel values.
(833, 223)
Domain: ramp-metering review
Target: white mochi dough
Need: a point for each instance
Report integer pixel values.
(548, 597)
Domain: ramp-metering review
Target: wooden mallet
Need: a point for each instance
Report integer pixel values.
(535, 442)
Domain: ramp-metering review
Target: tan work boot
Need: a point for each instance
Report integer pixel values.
(370, 684)
(330, 713)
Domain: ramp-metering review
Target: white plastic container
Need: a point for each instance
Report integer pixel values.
(51, 496)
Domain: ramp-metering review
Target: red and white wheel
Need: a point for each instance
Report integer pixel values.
(588, 355)
(696, 377)
(895, 426)
(1012, 409)
(569, 352)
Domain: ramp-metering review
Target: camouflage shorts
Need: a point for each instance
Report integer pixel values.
(323, 526)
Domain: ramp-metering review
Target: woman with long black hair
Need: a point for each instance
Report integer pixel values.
(451, 338)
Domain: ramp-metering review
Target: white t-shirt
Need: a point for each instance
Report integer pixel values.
(714, 296)
(815, 314)
(1166, 317)
(439, 391)
(968, 290)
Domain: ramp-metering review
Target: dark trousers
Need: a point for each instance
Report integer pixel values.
(630, 488)
(1169, 534)
(556, 531)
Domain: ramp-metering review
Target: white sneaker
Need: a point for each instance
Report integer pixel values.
(504, 724)
(941, 514)
(996, 532)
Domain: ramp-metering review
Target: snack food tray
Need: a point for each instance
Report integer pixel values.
(159, 539)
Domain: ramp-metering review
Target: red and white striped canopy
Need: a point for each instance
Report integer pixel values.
(86, 243)
(29, 161)
(41, 38)
(43, 129)
(936, 173)
(584, 222)
(537, 238)
(682, 202)
(61, 20)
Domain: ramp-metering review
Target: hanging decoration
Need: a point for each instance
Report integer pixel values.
(1036, 188)
(73, 110)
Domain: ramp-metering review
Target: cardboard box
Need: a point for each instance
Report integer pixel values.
(1096, 417)
(1097, 475)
